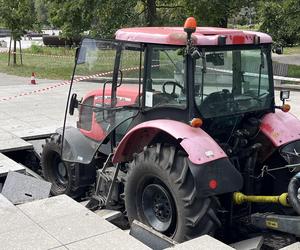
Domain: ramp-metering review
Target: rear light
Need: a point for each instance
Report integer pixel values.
(196, 122)
(213, 184)
(286, 108)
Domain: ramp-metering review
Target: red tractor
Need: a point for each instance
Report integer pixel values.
(178, 129)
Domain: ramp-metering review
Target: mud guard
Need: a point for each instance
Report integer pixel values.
(216, 177)
(200, 147)
(76, 146)
(280, 127)
(211, 169)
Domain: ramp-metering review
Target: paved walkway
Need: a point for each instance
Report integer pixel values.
(61, 223)
(287, 59)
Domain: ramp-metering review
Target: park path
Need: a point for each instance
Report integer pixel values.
(287, 59)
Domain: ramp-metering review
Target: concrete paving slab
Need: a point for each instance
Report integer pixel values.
(202, 242)
(6, 165)
(20, 188)
(30, 237)
(115, 240)
(249, 244)
(52, 208)
(9, 142)
(76, 227)
(59, 223)
(59, 248)
(295, 246)
(108, 214)
(10, 217)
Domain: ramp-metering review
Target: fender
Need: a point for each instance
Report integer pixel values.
(212, 171)
(199, 146)
(76, 146)
(280, 127)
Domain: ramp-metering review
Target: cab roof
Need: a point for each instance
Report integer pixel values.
(203, 36)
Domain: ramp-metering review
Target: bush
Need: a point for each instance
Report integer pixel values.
(36, 49)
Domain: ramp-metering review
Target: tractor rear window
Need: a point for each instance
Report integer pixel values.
(232, 82)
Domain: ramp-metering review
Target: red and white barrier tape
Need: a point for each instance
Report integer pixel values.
(33, 54)
(54, 86)
(82, 78)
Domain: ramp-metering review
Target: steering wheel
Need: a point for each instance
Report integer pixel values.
(174, 84)
(217, 102)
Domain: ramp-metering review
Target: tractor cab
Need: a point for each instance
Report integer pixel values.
(166, 73)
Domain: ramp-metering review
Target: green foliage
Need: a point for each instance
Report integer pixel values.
(111, 15)
(104, 17)
(281, 19)
(36, 49)
(42, 13)
(73, 17)
(18, 16)
(47, 67)
(53, 51)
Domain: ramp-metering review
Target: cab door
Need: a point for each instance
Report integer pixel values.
(103, 98)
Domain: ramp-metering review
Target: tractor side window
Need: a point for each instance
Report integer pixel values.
(165, 84)
(130, 75)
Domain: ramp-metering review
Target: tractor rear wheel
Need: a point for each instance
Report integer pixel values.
(160, 192)
(61, 174)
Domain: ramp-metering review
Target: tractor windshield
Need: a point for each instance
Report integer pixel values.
(104, 95)
(232, 82)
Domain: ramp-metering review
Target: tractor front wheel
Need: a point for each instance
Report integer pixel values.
(160, 192)
(62, 175)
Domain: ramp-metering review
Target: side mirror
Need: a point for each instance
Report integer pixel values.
(73, 104)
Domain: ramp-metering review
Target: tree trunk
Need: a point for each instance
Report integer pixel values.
(15, 51)
(9, 51)
(151, 13)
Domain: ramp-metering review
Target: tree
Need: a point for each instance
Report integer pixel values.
(18, 16)
(73, 17)
(214, 12)
(281, 19)
(110, 15)
(42, 12)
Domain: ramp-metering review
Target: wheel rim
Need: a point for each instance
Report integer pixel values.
(158, 207)
(60, 172)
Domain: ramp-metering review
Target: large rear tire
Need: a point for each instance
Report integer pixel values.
(62, 175)
(160, 192)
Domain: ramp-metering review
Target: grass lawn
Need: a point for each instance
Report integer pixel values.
(294, 71)
(42, 61)
(291, 50)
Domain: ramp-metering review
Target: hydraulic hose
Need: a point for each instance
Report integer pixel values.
(293, 188)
